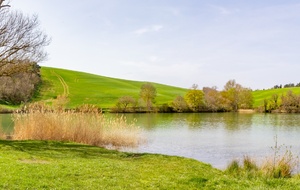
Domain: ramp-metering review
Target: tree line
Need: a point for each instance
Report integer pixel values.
(21, 49)
(233, 97)
(288, 103)
(290, 85)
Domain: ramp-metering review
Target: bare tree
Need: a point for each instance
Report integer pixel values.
(21, 48)
(2, 5)
(124, 103)
(20, 39)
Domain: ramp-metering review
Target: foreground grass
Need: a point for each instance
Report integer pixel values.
(55, 165)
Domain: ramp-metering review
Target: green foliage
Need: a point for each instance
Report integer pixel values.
(195, 98)
(237, 96)
(179, 104)
(148, 94)
(289, 103)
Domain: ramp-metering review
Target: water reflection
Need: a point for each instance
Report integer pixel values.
(217, 138)
(6, 123)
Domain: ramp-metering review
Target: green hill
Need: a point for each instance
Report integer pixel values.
(84, 88)
(260, 95)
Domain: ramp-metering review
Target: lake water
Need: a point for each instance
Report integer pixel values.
(218, 138)
(215, 138)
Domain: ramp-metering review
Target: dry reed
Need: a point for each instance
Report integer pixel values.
(92, 128)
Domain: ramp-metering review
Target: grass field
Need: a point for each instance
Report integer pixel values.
(55, 165)
(84, 88)
(260, 95)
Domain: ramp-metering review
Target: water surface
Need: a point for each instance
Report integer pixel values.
(215, 138)
(218, 138)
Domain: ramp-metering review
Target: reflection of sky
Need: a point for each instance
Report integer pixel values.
(221, 137)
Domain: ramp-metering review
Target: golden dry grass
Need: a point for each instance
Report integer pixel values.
(92, 128)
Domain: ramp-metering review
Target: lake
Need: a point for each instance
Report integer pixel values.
(215, 138)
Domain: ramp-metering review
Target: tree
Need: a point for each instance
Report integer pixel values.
(290, 102)
(212, 99)
(20, 86)
(148, 95)
(21, 49)
(231, 93)
(237, 96)
(124, 102)
(245, 98)
(2, 5)
(179, 104)
(194, 98)
(20, 40)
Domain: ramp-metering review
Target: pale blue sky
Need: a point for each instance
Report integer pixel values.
(174, 42)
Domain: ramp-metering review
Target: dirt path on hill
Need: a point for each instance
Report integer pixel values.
(63, 83)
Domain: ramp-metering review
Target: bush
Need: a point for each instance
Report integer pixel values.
(17, 86)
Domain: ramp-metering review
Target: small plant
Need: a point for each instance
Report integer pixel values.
(249, 164)
(281, 165)
(233, 167)
(278, 166)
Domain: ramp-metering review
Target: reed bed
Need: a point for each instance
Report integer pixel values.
(88, 128)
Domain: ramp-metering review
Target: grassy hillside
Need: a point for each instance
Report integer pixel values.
(84, 88)
(260, 95)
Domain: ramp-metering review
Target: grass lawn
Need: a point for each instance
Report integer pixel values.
(55, 165)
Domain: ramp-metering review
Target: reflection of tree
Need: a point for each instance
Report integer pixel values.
(152, 120)
(237, 121)
(193, 120)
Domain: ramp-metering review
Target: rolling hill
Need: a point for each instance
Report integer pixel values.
(84, 88)
(260, 95)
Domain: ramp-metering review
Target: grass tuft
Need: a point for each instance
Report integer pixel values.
(273, 167)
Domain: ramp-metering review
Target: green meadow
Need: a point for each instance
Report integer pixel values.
(260, 95)
(84, 88)
(56, 165)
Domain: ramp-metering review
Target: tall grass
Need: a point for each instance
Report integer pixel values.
(92, 128)
(277, 166)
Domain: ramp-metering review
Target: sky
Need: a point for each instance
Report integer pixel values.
(174, 42)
